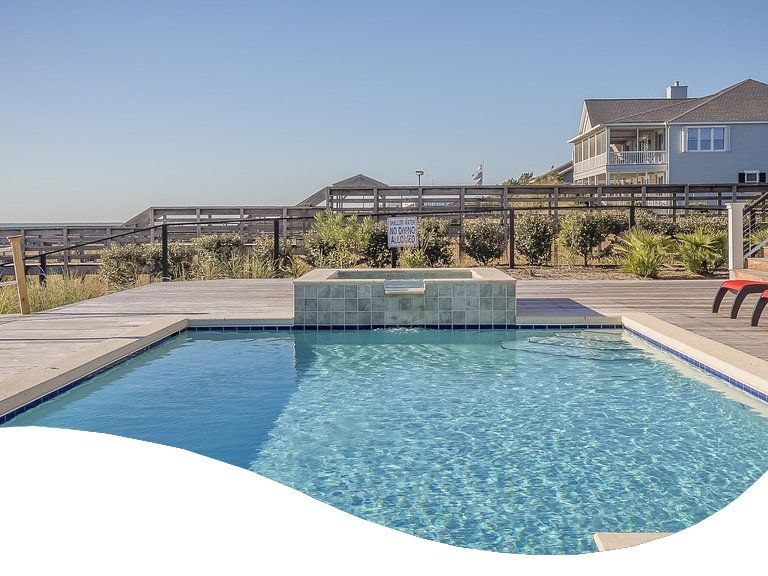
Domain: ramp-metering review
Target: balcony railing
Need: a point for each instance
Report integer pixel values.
(628, 158)
(638, 157)
(589, 163)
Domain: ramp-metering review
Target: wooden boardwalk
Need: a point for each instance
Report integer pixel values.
(43, 339)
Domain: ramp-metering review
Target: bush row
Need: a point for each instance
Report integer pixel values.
(206, 258)
(337, 241)
(695, 241)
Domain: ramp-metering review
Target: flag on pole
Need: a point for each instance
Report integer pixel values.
(477, 177)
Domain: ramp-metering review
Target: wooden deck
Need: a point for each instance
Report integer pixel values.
(43, 339)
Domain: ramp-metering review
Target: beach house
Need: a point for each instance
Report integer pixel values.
(721, 138)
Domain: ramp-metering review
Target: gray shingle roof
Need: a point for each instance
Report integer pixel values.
(746, 101)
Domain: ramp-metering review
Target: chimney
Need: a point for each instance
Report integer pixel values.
(677, 92)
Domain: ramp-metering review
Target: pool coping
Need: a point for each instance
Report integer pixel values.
(34, 386)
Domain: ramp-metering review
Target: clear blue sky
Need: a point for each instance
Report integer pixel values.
(109, 107)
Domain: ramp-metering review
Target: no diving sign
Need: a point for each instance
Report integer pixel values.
(402, 232)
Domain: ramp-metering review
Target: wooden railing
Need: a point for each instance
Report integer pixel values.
(589, 163)
(637, 157)
(672, 197)
(628, 158)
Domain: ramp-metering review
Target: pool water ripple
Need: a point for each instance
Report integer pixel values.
(516, 441)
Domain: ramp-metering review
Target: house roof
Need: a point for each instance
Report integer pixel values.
(746, 101)
(359, 181)
(356, 181)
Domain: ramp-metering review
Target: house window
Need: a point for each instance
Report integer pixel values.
(751, 177)
(706, 138)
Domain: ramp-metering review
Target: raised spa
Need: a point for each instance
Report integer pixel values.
(457, 297)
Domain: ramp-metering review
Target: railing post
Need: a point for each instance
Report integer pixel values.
(511, 221)
(43, 276)
(735, 236)
(276, 243)
(164, 257)
(21, 273)
(631, 215)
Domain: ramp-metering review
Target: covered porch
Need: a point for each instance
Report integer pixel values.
(621, 155)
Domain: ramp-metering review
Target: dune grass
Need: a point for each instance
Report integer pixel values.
(59, 291)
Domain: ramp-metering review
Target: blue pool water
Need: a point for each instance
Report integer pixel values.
(515, 441)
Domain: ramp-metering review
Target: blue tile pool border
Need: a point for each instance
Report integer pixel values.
(288, 327)
(355, 327)
(701, 366)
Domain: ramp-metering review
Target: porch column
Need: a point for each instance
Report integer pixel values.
(735, 236)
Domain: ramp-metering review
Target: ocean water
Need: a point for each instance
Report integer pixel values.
(524, 441)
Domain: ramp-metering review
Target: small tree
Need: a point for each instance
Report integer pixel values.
(534, 236)
(484, 239)
(581, 233)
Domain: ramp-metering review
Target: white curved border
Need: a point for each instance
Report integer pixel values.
(86, 503)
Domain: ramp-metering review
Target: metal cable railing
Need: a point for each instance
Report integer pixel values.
(756, 226)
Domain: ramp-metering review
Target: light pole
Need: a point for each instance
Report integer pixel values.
(419, 174)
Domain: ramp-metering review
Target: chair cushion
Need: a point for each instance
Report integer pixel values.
(739, 284)
(764, 294)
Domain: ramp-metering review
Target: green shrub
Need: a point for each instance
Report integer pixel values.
(434, 241)
(757, 238)
(688, 223)
(294, 268)
(613, 222)
(122, 264)
(219, 247)
(706, 221)
(263, 249)
(643, 253)
(376, 250)
(413, 258)
(484, 239)
(534, 234)
(581, 233)
(180, 260)
(337, 241)
(655, 223)
(701, 251)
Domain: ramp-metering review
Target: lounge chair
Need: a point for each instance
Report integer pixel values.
(742, 289)
(759, 307)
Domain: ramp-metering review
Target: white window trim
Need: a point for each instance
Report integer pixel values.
(755, 173)
(726, 143)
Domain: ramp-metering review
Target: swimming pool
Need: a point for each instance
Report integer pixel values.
(518, 441)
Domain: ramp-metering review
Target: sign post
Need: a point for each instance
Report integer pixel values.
(402, 232)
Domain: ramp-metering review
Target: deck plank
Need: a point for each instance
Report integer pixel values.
(43, 338)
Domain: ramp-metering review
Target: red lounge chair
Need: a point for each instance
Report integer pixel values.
(759, 308)
(742, 289)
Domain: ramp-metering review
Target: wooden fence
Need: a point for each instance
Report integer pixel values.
(404, 199)
(670, 198)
